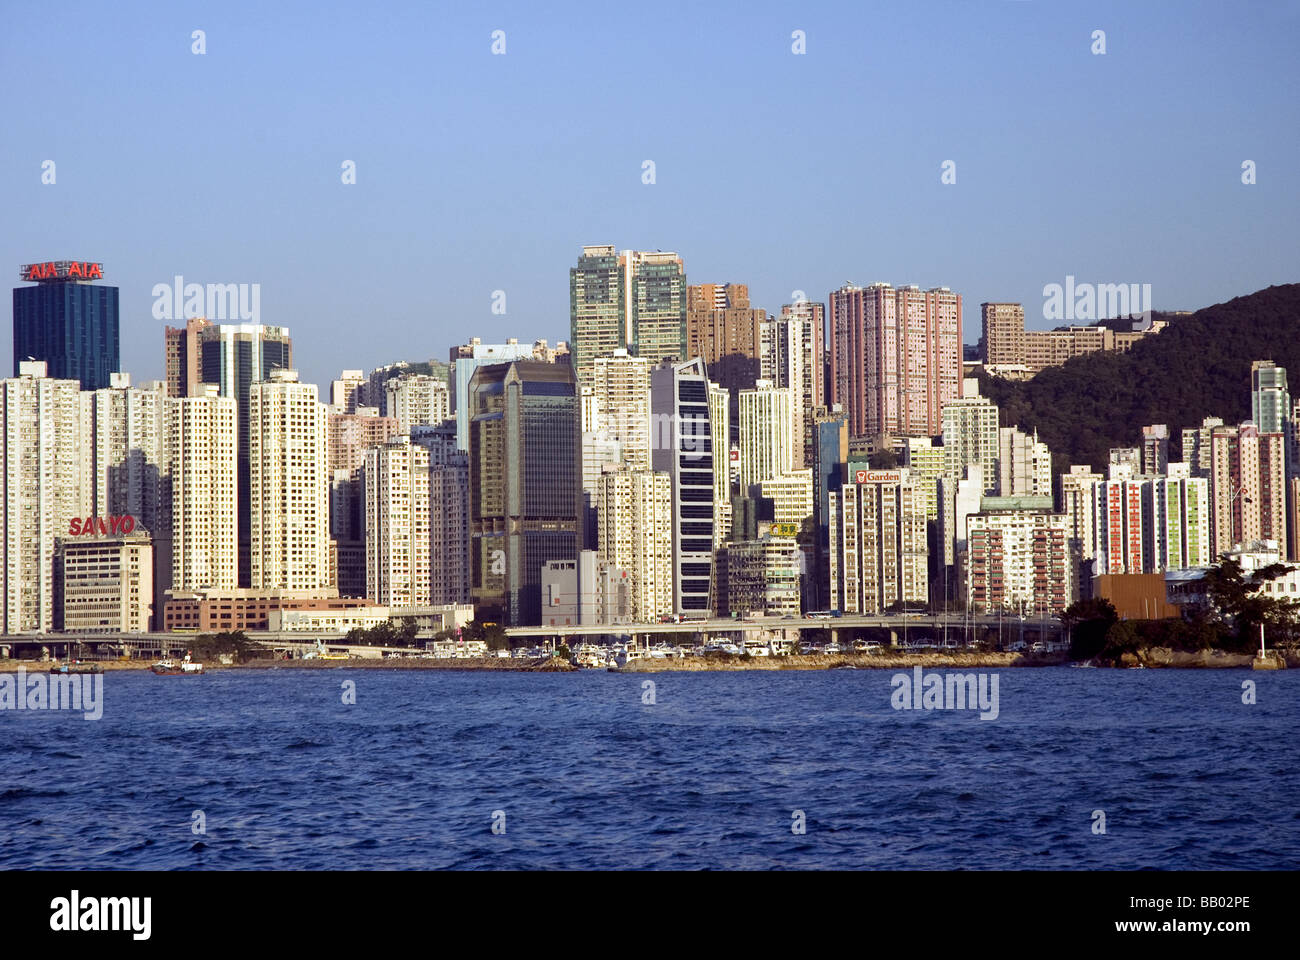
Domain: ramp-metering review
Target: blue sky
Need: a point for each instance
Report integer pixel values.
(478, 172)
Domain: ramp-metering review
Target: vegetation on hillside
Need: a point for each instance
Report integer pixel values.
(1197, 367)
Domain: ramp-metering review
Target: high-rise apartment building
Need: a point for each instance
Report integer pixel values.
(397, 511)
(1150, 523)
(791, 495)
(449, 528)
(1024, 464)
(182, 360)
(66, 321)
(416, 399)
(656, 304)
(1196, 446)
(1247, 486)
(597, 307)
(634, 300)
(1078, 505)
(878, 555)
(1002, 333)
(926, 462)
(683, 447)
(620, 394)
(234, 356)
(635, 519)
(202, 440)
(896, 358)
(1016, 557)
(524, 470)
(794, 359)
(122, 452)
(725, 331)
(289, 476)
(344, 391)
(40, 462)
(720, 435)
(767, 437)
(1155, 448)
(970, 435)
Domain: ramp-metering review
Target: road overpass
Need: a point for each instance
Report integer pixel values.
(937, 624)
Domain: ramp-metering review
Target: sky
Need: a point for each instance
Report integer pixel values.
(478, 172)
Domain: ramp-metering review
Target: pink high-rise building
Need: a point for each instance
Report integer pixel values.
(895, 358)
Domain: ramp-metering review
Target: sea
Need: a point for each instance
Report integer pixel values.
(366, 769)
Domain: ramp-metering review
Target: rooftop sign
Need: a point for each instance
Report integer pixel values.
(62, 270)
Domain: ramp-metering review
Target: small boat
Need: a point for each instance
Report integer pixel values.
(170, 668)
(76, 667)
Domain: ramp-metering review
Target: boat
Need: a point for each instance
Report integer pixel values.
(76, 667)
(170, 668)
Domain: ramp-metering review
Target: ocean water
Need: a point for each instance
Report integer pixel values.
(584, 775)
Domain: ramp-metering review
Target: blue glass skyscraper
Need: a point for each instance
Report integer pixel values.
(67, 321)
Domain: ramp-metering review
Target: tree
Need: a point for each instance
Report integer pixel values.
(209, 646)
(1089, 622)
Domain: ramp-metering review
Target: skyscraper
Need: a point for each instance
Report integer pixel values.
(656, 304)
(66, 321)
(634, 300)
(895, 358)
(635, 520)
(620, 394)
(878, 554)
(682, 443)
(597, 325)
(234, 356)
(767, 438)
(524, 469)
(794, 360)
(1247, 487)
(201, 436)
(725, 331)
(970, 435)
(468, 358)
(182, 357)
(40, 441)
(830, 429)
(397, 523)
(289, 479)
(1270, 402)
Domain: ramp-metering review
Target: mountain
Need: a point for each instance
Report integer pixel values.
(1197, 367)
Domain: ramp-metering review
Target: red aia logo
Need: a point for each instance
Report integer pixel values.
(104, 526)
(81, 269)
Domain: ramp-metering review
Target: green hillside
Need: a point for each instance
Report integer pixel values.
(1197, 367)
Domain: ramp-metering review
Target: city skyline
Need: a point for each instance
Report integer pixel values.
(481, 192)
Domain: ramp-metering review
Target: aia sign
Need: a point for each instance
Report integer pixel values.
(63, 270)
(104, 526)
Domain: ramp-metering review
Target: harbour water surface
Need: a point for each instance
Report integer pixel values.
(585, 775)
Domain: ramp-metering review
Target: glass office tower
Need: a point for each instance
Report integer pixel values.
(68, 322)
